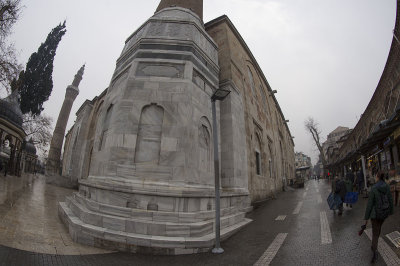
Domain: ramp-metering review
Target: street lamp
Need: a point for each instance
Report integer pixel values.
(219, 95)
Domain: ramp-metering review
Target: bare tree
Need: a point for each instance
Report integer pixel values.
(39, 129)
(9, 67)
(313, 127)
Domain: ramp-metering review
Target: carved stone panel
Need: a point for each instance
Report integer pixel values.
(160, 70)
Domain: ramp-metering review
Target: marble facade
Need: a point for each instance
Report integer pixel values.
(150, 186)
(142, 151)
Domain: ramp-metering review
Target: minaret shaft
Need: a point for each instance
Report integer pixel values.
(53, 163)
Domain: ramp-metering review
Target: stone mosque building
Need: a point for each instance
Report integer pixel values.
(142, 153)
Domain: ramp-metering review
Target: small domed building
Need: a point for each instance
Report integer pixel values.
(12, 134)
(16, 155)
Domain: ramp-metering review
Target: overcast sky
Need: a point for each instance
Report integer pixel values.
(325, 58)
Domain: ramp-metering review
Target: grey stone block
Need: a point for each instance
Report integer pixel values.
(115, 236)
(114, 223)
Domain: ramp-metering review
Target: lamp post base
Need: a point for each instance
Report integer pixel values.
(217, 250)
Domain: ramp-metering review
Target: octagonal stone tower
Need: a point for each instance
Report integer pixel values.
(151, 182)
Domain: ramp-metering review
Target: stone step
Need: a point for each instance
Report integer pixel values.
(153, 227)
(132, 242)
(148, 214)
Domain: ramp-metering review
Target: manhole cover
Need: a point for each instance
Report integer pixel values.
(394, 237)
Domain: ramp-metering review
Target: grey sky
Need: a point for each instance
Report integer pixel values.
(325, 58)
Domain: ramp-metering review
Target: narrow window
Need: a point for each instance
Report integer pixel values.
(251, 79)
(258, 163)
(264, 98)
(258, 155)
(106, 125)
(205, 145)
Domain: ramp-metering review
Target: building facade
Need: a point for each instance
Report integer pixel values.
(373, 145)
(303, 169)
(268, 143)
(302, 160)
(142, 151)
(333, 142)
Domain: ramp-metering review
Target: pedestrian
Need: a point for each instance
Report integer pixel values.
(5, 168)
(380, 206)
(349, 188)
(339, 188)
(350, 176)
(360, 181)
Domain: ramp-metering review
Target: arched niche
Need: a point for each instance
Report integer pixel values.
(205, 144)
(148, 143)
(257, 153)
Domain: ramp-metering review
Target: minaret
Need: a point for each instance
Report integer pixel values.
(53, 162)
(195, 5)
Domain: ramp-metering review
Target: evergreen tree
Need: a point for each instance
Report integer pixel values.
(37, 83)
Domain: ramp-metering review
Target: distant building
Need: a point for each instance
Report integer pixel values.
(303, 166)
(302, 160)
(333, 143)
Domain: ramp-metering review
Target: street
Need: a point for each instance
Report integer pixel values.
(297, 228)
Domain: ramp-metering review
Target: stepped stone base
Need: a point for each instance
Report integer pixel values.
(145, 233)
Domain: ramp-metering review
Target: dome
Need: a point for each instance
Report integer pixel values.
(29, 147)
(10, 110)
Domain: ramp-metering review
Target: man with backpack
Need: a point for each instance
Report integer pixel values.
(380, 206)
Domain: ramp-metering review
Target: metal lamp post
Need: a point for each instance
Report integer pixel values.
(219, 95)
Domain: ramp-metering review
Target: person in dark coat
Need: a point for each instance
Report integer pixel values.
(380, 187)
(340, 189)
(349, 187)
(350, 176)
(360, 181)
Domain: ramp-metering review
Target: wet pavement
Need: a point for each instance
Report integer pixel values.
(297, 228)
(29, 220)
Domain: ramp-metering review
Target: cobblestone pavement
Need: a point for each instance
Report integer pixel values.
(297, 228)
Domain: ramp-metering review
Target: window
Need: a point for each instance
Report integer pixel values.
(258, 155)
(205, 144)
(264, 98)
(251, 80)
(258, 163)
(106, 125)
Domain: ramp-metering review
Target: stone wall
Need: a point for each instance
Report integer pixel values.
(268, 147)
(148, 143)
